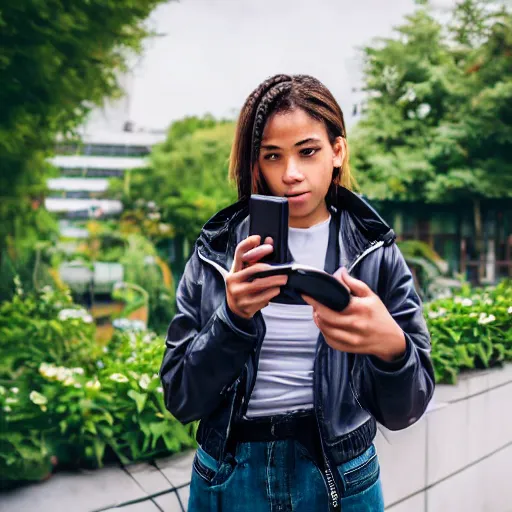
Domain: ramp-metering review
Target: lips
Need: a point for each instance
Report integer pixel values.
(295, 194)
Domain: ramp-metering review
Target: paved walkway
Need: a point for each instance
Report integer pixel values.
(162, 486)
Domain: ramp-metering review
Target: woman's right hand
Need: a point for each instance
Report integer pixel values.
(246, 298)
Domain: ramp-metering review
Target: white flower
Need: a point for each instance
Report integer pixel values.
(69, 381)
(118, 377)
(80, 314)
(437, 314)
(423, 110)
(93, 384)
(144, 381)
(78, 371)
(458, 300)
(408, 96)
(15, 390)
(484, 319)
(38, 398)
(472, 315)
(488, 302)
(7, 409)
(467, 302)
(105, 350)
(160, 390)
(509, 310)
(87, 319)
(11, 401)
(2, 390)
(78, 385)
(100, 365)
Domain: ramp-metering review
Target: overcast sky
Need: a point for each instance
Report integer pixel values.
(212, 53)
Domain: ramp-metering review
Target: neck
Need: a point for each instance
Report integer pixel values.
(315, 217)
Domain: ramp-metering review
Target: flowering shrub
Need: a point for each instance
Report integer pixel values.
(471, 330)
(80, 409)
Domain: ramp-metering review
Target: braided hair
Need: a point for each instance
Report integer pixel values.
(281, 93)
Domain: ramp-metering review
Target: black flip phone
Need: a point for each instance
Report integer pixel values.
(269, 217)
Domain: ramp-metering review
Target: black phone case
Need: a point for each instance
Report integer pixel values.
(269, 217)
(321, 286)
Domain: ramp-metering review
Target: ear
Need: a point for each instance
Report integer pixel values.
(339, 150)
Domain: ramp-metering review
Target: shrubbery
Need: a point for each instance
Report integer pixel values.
(63, 395)
(471, 330)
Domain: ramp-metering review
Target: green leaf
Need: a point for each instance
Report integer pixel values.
(139, 398)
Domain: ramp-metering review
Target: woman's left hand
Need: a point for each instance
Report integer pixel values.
(365, 326)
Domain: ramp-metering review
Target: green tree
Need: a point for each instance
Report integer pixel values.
(58, 59)
(188, 175)
(438, 122)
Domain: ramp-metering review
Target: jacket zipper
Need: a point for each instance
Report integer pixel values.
(258, 318)
(374, 245)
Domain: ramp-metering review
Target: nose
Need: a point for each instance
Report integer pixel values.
(292, 173)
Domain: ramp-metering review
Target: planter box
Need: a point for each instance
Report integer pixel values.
(458, 457)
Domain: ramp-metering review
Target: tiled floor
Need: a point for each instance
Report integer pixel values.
(136, 488)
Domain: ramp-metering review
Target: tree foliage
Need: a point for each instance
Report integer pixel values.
(57, 60)
(438, 121)
(188, 174)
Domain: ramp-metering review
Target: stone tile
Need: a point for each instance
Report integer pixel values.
(500, 376)
(414, 504)
(169, 502)
(178, 468)
(460, 493)
(144, 506)
(447, 438)
(433, 405)
(449, 393)
(184, 494)
(499, 424)
(149, 477)
(477, 381)
(479, 442)
(402, 457)
(495, 473)
(81, 491)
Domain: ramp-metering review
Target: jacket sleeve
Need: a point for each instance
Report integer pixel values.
(398, 393)
(203, 357)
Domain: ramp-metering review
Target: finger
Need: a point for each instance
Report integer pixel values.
(356, 287)
(259, 300)
(264, 283)
(352, 323)
(341, 340)
(257, 253)
(248, 272)
(322, 310)
(244, 246)
(269, 240)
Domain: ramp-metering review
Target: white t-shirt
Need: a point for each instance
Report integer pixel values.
(284, 381)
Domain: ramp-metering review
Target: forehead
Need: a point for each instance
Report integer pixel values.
(291, 127)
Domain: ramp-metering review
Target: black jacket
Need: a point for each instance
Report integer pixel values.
(210, 362)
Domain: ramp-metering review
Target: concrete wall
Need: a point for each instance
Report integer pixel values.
(458, 457)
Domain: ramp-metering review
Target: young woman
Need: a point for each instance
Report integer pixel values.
(288, 391)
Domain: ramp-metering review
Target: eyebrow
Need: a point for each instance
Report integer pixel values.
(300, 143)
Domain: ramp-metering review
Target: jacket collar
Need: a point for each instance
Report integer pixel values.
(361, 227)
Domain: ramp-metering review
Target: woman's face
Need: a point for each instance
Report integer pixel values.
(296, 160)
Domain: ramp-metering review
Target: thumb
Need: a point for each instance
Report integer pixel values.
(356, 287)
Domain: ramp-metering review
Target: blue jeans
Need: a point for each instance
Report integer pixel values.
(280, 476)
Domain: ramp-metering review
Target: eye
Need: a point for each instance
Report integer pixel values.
(271, 156)
(309, 151)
